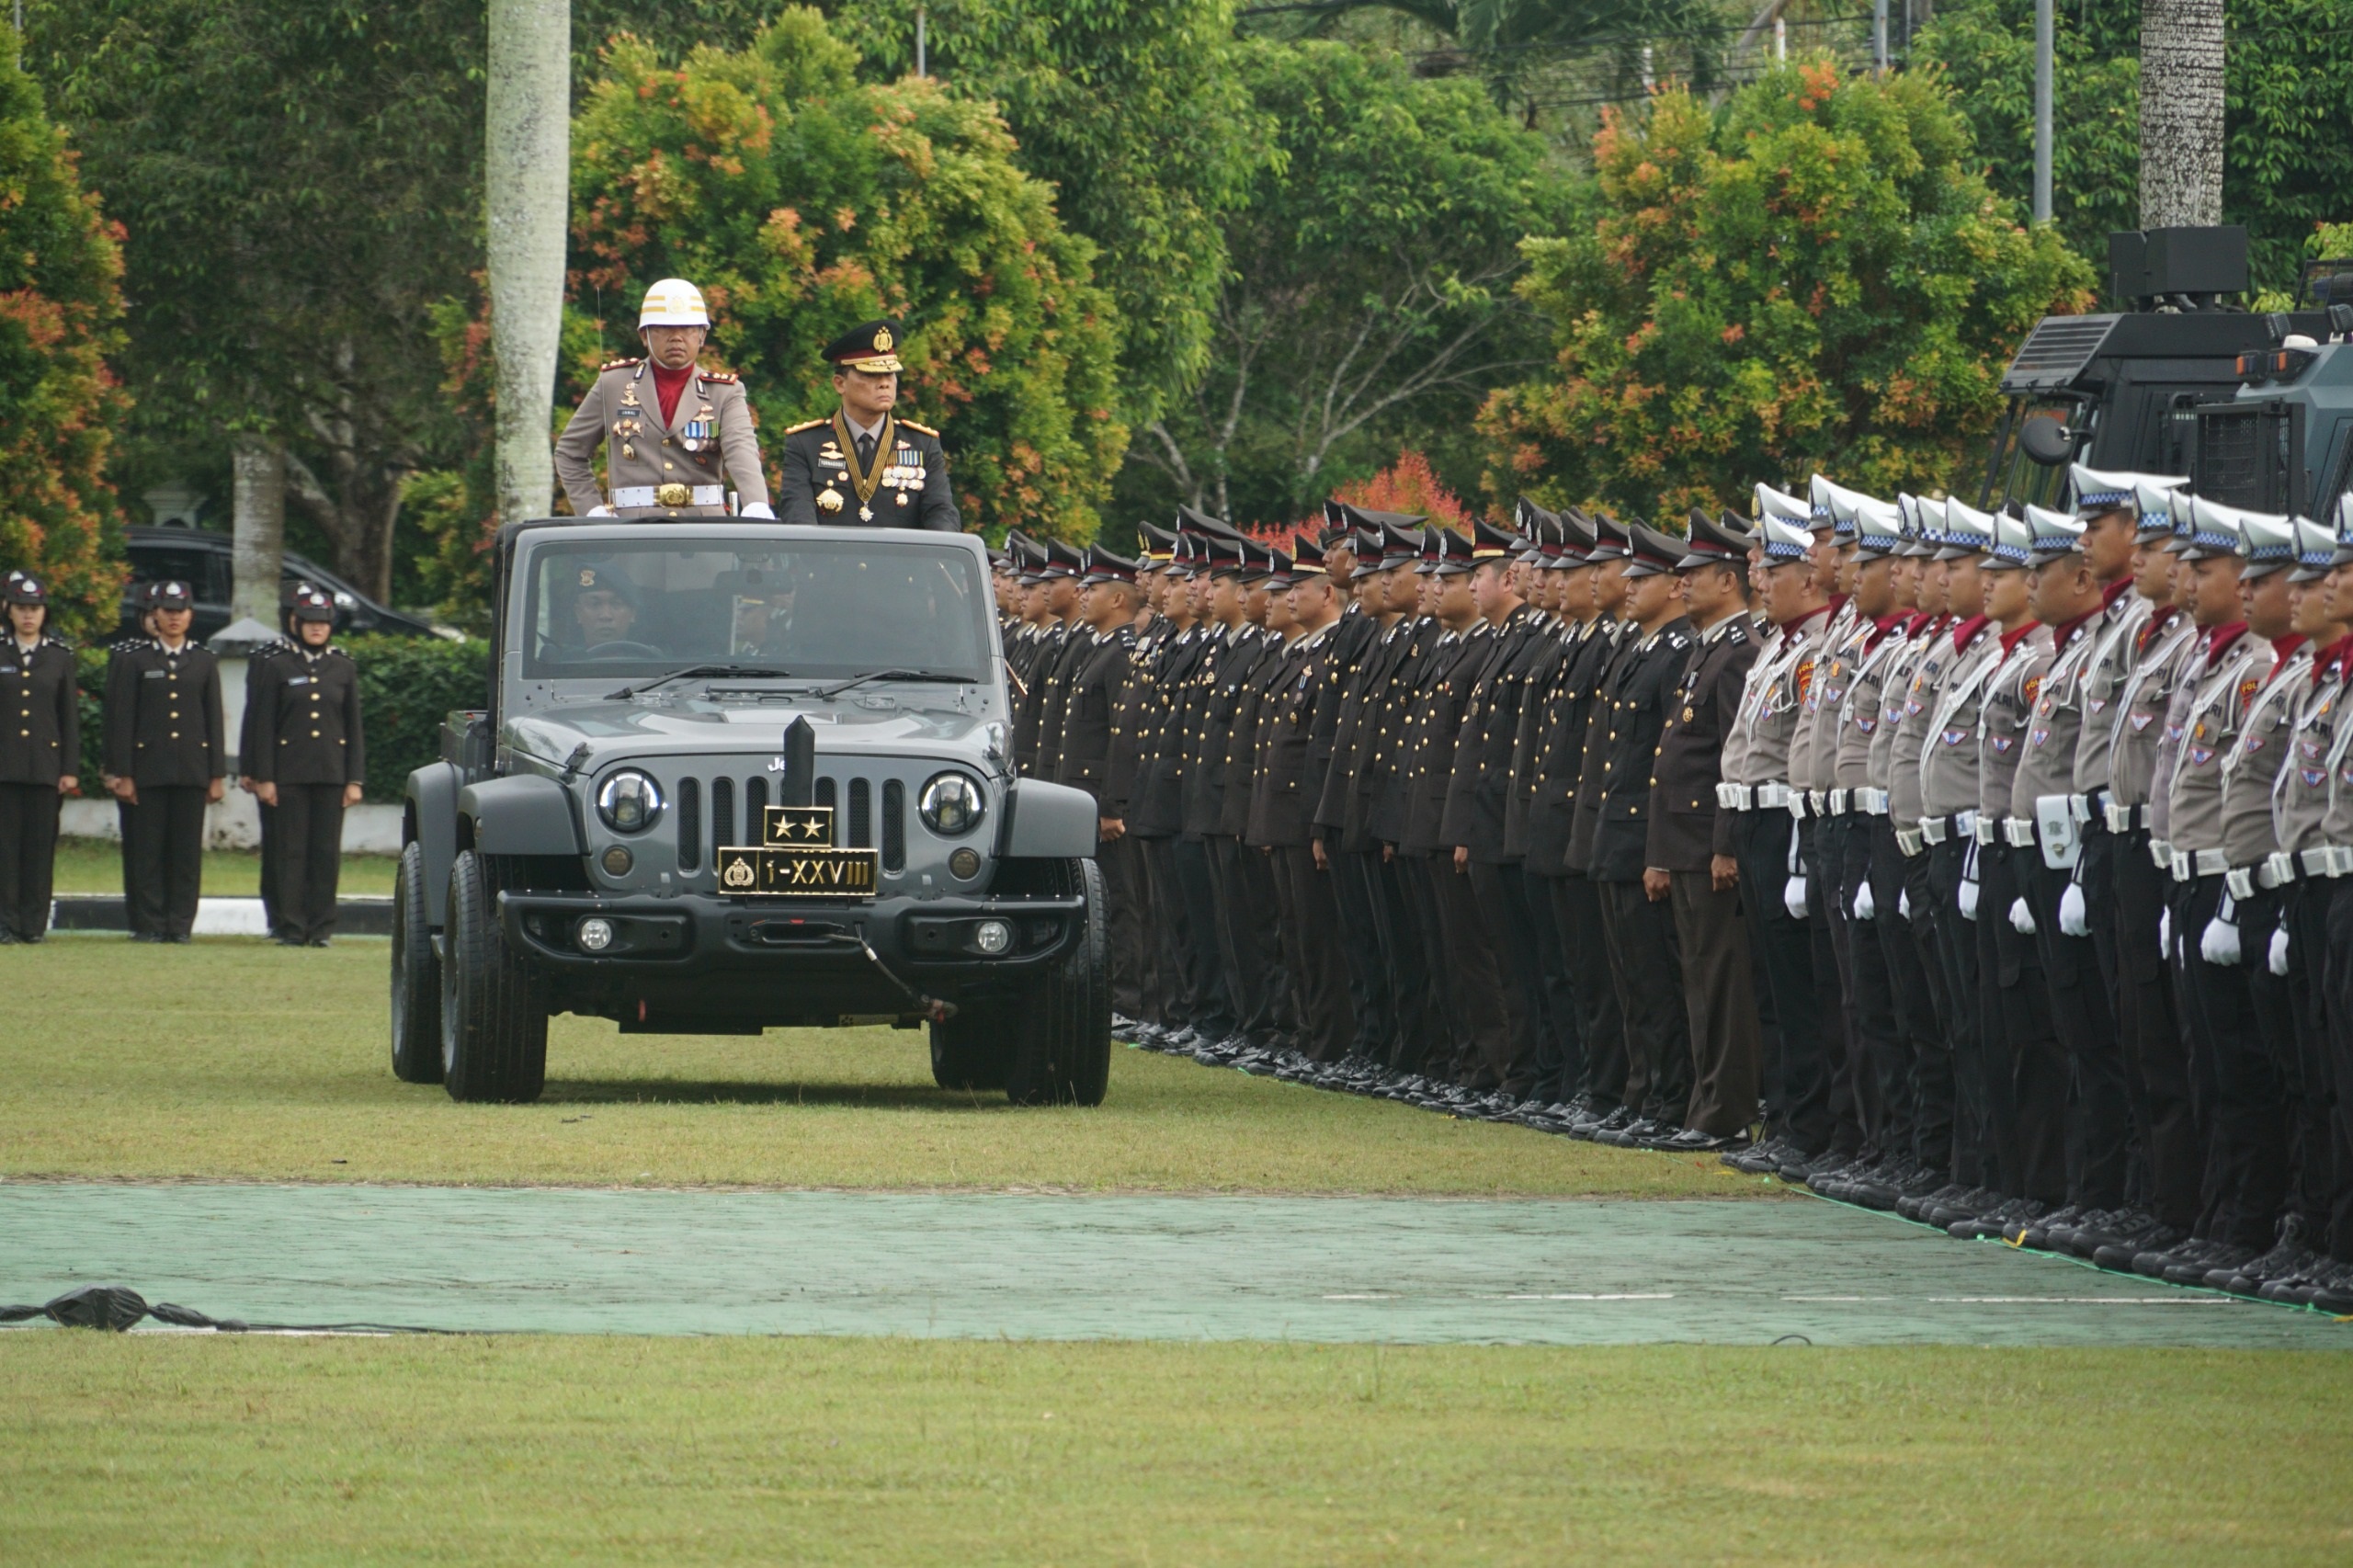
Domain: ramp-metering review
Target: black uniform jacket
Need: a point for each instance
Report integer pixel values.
(1225, 693)
(1437, 719)
(1129, 708)
(304, 724)
(42, 740)
(1053, 696)
(1686, 828)
(1090, 716)
(163, 715)
(1553, 650)
(1245, 749)
(1479, 791)
(1559, 747)
(1647, 682)
(1030, 714)
(911, 492)
(1593, 750)
(1282, 800)
(1158, 804)
(1386, 777)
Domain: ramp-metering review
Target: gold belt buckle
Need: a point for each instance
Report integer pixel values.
(673, 494)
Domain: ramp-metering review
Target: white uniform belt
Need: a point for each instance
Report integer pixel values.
(1730, 797)
(1911, 841)
(1816, 803)
(2018, 832)
(2188, 864)
(2125, 819)
(1987, 829)
(2328, 861)
(681, 495)
(2162, 853)
(1868, 802)
(1935, 830)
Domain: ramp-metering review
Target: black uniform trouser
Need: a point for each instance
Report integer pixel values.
(1923, 1002)
(2310, 1076)
(2098, 1116)
(28, 857)
(2334, 955)
(1482, 1040)
(308, 826)
(1511, 937)
(1122, 876)
(1326, 1028)
(163, 857)
(2026, 1065)
(1972, 1161)
(1207, 989)
(1881, 1061)
(1720, 997)
(1854, 1110)
(1797, 1074)
(1405, 963)
(1432, 1052)
(1369, 1000)
(1646, 963)
(1557, 1052)
(1165, 999)
(2234, 1030)
(2095, 873)
(1602, 1028)
(1249, 947)
(268, 816)
(2157, 1067)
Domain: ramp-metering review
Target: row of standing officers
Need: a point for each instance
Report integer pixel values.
(165, 759)
(1996, 868)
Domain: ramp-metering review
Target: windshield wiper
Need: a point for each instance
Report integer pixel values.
(695, 672)
(895, 674)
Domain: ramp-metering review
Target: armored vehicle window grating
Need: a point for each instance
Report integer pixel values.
(894, 825)
(861, 814)
(2249, 456)
(690, 823)
(723, 816)
(2055, 352)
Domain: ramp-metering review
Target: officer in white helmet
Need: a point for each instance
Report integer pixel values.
(677, 438)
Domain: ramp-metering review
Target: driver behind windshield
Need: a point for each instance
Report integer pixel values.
(605, 607)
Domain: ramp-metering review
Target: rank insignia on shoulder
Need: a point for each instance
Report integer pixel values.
(918, 429)
(618, 365)
(806, 424)
(722, 378)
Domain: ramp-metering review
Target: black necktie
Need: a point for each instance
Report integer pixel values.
(865, 452)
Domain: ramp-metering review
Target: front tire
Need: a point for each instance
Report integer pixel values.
(972, 1050)
(494, 1020)
(1062, 1050)
(416, 977)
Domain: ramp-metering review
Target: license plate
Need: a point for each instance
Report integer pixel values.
(775, 873)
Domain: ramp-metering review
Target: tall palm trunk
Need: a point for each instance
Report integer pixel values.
(527, 181)
(2181, 112)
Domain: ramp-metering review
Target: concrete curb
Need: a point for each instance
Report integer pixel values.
(219, 916)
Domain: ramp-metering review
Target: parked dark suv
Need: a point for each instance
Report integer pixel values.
(203, 560)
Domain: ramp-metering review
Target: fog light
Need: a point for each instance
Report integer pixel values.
(965, 863)
(992, 935)
(618, 860)
(594, 933)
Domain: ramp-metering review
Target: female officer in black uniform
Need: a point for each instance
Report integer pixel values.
(307, 759)
(40, 755)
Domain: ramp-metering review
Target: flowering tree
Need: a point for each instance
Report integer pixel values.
(1815, 276)
(59, 305)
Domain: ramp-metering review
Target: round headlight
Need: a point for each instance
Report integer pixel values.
(951, 805)
(630, 802)
(993, 937)
(594, 934)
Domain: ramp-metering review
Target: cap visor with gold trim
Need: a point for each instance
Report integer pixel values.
(871, 346)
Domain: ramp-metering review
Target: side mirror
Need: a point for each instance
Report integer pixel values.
(2047, 441)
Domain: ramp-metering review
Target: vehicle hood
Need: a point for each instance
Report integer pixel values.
(699, 728)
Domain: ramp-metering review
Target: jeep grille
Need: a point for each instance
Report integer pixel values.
(729, 827)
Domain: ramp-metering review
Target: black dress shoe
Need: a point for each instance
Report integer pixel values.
(1797, 1171)
(2035, 1231)
(179, 939)
(1759, 1159)
(7, 938)
(2333, 1292)
(1913, 1206)
(2227, 1256)
(2122, 1254)
(2286, 1261)
(1995, 1223)
(1691, 1141)
(1966, 1205)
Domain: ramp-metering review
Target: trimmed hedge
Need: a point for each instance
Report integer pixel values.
(407, 685)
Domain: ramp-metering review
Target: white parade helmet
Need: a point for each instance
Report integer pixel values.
(673, 301)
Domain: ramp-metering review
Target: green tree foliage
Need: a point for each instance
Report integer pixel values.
(1369, 293)
(803, 202)
(2286, 161)
(1132, 110)
(60, 312)
(1814, 276)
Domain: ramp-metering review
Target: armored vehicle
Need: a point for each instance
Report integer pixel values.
(733, 776)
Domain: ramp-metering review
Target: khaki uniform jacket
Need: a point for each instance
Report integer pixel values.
(1773, 701)
(2054, 738)
(710, 445)
(2113, 642)
(1904, 714)
(1862, 692)
(2168, 643)
(2004, 718)
(1813, 747)
(2209, 711)
(1948, 748)
(2252, 771)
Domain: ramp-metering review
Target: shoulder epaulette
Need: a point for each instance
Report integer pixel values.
(724, 377)
(919, 429)
(806, 424)
(48, 641)
(619, 365)
(125, 644)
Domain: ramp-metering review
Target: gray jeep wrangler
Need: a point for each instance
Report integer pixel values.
(736, 775)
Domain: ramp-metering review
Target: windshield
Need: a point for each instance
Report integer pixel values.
(818, 610)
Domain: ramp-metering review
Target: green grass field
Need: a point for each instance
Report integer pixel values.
(526, 1450)
(94, 866)
(232, 1058)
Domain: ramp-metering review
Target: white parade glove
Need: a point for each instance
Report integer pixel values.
(600, 512)
(1968, 900)
(1866, 906)
(2164, 933)
(2021, 917)
(2072, 918)
(1904, 904)
(1794, 897)
(2220, 945)
(2280, 951)
(759, 510)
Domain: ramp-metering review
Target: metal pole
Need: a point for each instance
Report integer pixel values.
(1879, 34)
(920, 42)
(2042, 46)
